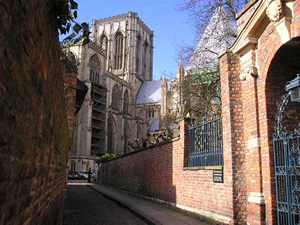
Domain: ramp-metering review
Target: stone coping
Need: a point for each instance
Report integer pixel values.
(144, 149)
(203, 168)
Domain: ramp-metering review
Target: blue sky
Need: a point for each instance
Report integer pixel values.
(170, 25)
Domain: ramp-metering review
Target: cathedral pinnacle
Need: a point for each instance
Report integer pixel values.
(180, 70)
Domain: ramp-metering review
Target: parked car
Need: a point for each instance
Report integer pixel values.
(83, 175)
(72, 175)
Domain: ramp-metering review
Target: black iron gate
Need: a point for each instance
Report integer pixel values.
(287, 170)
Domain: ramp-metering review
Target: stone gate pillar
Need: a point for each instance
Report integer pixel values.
(241, 133)
(249, 74)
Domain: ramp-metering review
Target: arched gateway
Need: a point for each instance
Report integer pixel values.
(286, 131)
(254, 73)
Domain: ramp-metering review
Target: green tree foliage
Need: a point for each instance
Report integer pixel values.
(65, 14)
(107, 157)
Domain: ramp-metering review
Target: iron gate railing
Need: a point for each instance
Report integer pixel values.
(206, 144)
(287, 170)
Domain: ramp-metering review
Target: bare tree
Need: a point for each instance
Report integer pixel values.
(201, 11)
(200, 15)
(201, 93)
(214, 22)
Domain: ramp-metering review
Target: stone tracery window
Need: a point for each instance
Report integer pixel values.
(94, 65)
(150, 112)
(137, 55)
(104, 43)
(119, 39)
(116, 98)
(126, 136)
(146, 47)
(139, 132)
(110, 134)
(126, 102)
(70, 55)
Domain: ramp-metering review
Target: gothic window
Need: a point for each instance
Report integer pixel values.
(115, 97)
(137, 60)
(126, 102)
(110, 134)
(150, 112)
(94, 69)
(145, 58)
(73, 166)
(104, 43)
(71, 57)
(119, 51)
(126, 136)
(139, 132)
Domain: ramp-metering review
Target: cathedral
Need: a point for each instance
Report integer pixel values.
(123, 102)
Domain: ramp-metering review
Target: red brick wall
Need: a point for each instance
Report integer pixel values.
(70, 82)
(159, 173)
(233, 139)
(255, 111)
(34, 135)
(244, 15)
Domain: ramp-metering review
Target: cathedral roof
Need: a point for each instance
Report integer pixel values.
(150, 92)
(218, 36)
(154, 124)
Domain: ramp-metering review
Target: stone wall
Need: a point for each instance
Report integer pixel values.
(161, 173)
(34, 137)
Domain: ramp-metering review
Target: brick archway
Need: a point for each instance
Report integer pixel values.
(283, 67)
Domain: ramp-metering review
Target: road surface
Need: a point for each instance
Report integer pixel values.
(85, 206)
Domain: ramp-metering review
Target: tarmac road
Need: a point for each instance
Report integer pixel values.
(85, 206)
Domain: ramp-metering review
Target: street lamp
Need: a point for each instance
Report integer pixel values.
(293, 87)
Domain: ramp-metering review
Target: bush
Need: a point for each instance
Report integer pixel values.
(107, 157)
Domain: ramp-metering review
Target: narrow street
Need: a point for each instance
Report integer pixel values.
(85, 206)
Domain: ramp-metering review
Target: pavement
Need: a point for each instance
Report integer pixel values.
(149, 211)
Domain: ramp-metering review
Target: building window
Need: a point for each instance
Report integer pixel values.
(145, 59)
(137, 60)
(150, 112)
(139, 132)
(116, 97)
(71, 57)
(104, 43)
(126, 102)
(73, 166)
(126, 136)
(94, 65)
(110, 134)
(119, 51)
